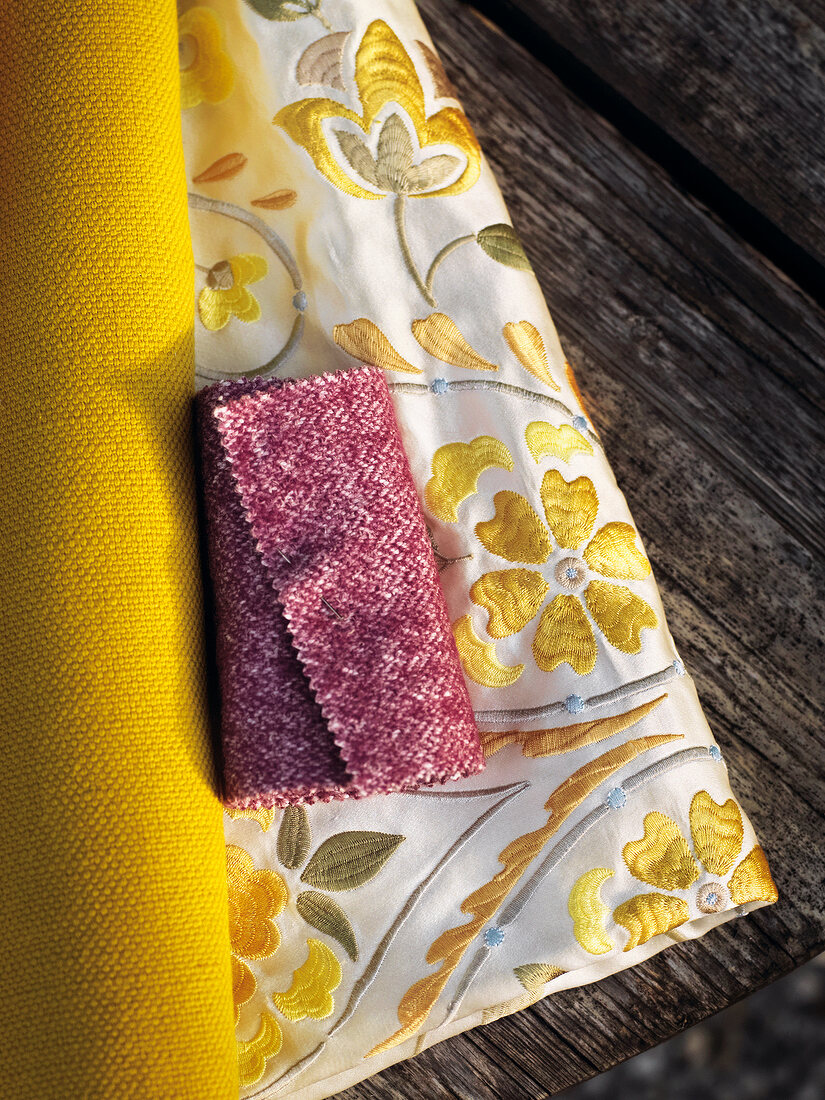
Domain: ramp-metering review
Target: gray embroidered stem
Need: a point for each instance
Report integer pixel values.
(546, 710)
(401, 229)
(510, 792)
(559, 851)
(279, 247)
(497, 387)
(230, 210)
(442, 255)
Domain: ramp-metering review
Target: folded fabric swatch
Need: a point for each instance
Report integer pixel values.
(338, 669)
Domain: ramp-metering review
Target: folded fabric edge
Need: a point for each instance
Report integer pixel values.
(473, 762)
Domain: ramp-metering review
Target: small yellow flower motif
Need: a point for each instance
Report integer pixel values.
(225, 294)
(663, 858)
(514, 597)
(256, 897)
(206, 72)
(415, 154)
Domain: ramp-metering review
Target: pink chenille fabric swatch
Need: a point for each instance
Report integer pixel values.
(339, 676)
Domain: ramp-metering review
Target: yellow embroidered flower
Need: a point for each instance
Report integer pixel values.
(514, 597)
(663, 858)
(414, 153)
(256, 897)
(225, 294)
(206, 73)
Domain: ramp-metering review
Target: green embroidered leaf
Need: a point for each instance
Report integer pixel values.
(294, 837)
(358, 156)
(349, 859)
(328, 917)
(534, 975)
(285, 11)
(501, 243)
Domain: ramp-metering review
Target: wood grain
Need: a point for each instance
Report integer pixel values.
(739, 83)
(703, 371)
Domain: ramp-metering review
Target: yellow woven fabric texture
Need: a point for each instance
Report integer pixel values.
(114, 945)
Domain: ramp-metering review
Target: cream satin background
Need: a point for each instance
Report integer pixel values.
(308, 261)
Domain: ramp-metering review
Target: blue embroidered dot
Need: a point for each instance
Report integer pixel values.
(715, 753)
(494, 936)
(678, 667)
(712, 898)
(574, 704)
(439, 385)
(616, 798)
(579, 423)
(571, 573)
(300, 301)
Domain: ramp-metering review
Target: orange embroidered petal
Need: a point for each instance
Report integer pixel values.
(752, 881)
(243, 985)
(515, 532)
(479, 659)
(511, 598)
(620, 615)
(717, 832)
(550, 742)
(255, 899)
(662, 857)
(570, 508)
(364, 340)
(440, 336)
(564, 635)
(612, 552)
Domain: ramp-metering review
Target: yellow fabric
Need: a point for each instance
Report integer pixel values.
(114, 952)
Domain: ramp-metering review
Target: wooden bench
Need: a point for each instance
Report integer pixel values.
(663, 163)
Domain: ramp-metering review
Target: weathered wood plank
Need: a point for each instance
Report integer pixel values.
(739, 83)
(703, 371)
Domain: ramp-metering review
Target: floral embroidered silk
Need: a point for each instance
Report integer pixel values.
(340, 214)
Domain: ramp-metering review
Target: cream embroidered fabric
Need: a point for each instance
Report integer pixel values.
(341, 212)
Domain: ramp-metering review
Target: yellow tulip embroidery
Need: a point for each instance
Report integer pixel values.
(225, 294)
(206, 72)
(384, 75)
(392, 146)
(513, 597)
(456, 470)
(313, 984)
(663, 858)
